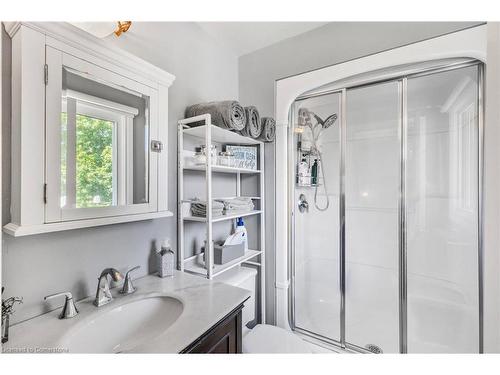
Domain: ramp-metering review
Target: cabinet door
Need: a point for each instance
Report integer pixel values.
(99, 128)
(223, 338)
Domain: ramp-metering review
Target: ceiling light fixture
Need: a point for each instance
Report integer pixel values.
(122, 27)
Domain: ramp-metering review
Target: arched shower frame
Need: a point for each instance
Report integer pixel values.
(451, 49)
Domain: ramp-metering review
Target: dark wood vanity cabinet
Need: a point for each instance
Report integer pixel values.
(224, 337)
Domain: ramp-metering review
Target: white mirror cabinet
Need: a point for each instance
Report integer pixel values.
(89, 132)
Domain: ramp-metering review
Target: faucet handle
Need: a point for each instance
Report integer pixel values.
(69, 309)
(128, 287)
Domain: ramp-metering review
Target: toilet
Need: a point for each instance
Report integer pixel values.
(263, 338)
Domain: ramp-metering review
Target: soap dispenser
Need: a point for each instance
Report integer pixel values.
(166, 260)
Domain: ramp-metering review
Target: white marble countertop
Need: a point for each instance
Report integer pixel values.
(205, 302)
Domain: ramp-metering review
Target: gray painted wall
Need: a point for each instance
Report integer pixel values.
(35, 266)
(327, 45)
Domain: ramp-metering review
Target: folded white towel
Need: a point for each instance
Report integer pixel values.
(220, 207)
(199, 208)
(239, 204)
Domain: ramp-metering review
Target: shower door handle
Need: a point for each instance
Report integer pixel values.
(303, 204)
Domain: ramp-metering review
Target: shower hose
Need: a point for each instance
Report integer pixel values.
(318, 152)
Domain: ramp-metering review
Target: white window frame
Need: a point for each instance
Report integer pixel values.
(96, 107)
(122, 118)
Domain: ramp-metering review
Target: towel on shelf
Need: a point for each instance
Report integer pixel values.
(236, 205)
(227, 206)
(268, 129)
(227, 114)
(237, 211)
(199, 208)
(253, 126)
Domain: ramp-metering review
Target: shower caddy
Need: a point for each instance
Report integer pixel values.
(210, 134)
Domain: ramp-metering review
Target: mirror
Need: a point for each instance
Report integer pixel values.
(104, 157)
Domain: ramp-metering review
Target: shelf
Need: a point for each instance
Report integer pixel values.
(26, 230)
(222, 169)
(196, 264)
(221, 198)
(233, 197)
(220, 135)
(216, 219)
(308, 186)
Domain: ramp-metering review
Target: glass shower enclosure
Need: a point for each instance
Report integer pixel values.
(386, 214)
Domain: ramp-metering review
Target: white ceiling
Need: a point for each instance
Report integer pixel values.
(246, 37)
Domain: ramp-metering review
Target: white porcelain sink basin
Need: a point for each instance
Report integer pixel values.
(113, 330)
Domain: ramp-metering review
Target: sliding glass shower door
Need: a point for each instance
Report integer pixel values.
(372, 182)
(386, 252)
(316, 224)
(442, 212)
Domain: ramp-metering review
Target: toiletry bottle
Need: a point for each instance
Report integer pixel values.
(166, 260)
(240, 227)
(314, 172)
(303, 173)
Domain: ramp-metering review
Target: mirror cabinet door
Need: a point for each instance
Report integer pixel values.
(99, 128)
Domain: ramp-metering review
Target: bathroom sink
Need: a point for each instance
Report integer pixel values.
(121, 328)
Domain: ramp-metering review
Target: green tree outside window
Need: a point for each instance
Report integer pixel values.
(94, 161)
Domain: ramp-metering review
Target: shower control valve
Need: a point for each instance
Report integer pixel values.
(303, 204)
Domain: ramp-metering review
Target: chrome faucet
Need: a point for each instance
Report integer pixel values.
(128, 287)
(7, 310)
(69, 309)
(103, 294)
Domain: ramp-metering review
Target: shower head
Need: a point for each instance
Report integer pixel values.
(329, 121)
(305, 116)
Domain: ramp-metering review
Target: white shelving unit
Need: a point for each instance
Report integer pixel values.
(197, 264)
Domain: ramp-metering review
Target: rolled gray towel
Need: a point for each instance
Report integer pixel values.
(227, 114)
(268, 129)
(253, 126)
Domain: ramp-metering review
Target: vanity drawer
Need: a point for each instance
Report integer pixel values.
(224, 337)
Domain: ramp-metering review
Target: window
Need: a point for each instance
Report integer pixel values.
(95, 156)
(95, 185)
(94, 164)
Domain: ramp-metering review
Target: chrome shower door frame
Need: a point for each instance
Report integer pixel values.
(402, 219)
